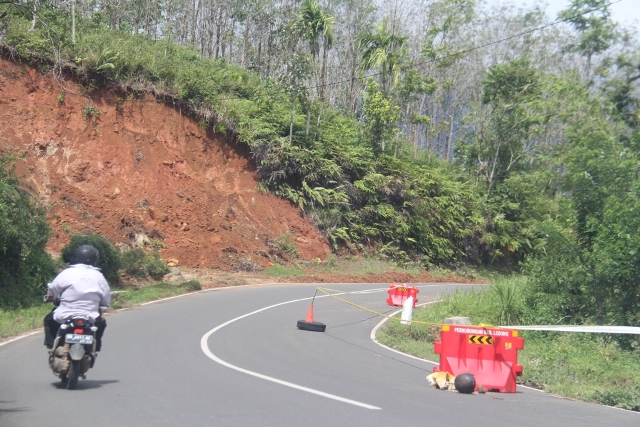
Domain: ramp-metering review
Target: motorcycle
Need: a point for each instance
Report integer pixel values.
(74, 350)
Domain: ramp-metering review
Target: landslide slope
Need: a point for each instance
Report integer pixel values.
(136, 170)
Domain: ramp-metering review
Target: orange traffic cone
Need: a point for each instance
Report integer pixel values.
(308, 324)
(309, 314)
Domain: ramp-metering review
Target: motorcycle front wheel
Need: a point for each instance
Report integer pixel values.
(74, 372)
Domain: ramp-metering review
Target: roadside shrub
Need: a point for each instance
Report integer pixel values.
(285, 245)
(626, 399)
(505, 295)
(191, 286)
(132, 262)
(109, 261)
(139, 263)
(25, 266)
(156, 267)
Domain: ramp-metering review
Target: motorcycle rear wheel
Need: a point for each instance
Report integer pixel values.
(74, 372)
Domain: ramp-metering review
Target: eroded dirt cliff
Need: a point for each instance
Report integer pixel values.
(134, 169)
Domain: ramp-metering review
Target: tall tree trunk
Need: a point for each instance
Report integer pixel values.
(218, 45)
(449, 137)
(3, 29)
(293, 106)
(258, 58)
(155, 21)
(269, 49)
(33, 21)
(231, 35)
(395, 147)
(73, 21)
(317, 132)
(194, 28)
(245, 53)
(323, 72)
(414, 140)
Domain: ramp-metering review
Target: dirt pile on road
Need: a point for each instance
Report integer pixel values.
(140, 172)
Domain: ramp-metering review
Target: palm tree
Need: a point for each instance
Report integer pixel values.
(382, 51)
(315, 26)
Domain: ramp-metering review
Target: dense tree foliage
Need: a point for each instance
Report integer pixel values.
(438, 131)
(25, 266)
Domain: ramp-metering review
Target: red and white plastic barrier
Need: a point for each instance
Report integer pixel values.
(490, 354)
(398, 294)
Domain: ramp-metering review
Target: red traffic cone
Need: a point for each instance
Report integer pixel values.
(309, 314)
(308, 324)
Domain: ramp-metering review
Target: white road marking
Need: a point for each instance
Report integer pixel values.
(374, 331)
(19, 337)
(210, 355)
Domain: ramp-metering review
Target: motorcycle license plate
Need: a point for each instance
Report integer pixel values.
(78, 339)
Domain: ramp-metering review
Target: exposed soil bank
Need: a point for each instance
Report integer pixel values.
(135, 169)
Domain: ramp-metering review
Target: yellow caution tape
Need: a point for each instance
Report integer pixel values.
(327, 292)
(557, 328)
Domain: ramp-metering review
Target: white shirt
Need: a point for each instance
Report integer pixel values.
(82, 289)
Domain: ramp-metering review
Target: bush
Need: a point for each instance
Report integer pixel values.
(109, 261)
(133, 262)
(139, 263)
(25, 266)
(156, 267)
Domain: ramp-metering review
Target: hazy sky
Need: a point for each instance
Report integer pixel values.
(625, 11)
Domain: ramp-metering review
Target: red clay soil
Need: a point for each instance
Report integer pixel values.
(138, 170)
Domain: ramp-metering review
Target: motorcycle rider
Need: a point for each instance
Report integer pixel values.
(81, 290)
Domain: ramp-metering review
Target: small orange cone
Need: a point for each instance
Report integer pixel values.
(309, 314)
(308, 324)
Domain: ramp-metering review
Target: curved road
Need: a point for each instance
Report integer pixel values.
(234, 357)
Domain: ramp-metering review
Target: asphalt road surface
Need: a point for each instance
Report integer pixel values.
(234, 357)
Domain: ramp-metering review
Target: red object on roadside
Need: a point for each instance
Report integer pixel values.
(490, 354)
(398, 294)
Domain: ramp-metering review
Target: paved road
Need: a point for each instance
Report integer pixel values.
(234, 357)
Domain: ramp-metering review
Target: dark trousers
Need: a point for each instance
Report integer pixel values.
(51, 328)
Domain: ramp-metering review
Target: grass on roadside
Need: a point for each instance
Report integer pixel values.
(364, 265)
(347, 265)
(577, 365)
(582, 366)
(15, 322)
(137, 296)
(278, 270)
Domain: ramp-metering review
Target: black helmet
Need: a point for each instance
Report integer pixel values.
(87, 254)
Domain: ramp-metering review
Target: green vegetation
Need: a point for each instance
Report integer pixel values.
(90, 112)
(25, 266)
(131, 297)
(19, 320)
(279, 270)
(140, 263)
(543, 177)
(286, 246)
(355, 193)
(366, 265)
